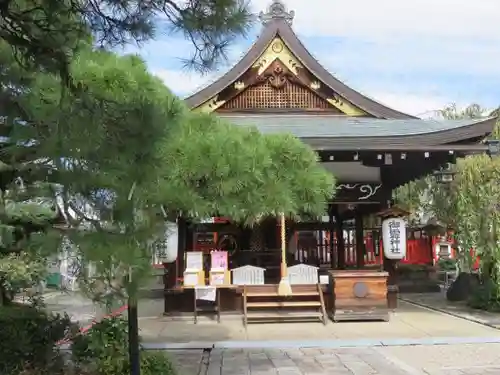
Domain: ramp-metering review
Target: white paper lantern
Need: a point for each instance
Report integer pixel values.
(172, 242)
(394, 238)
(166, 249)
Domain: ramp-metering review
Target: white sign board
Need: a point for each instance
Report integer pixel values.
(206, 293)
(194, 261)
(394, 238)
(190, 278)
(303, 274)
(217, 278)
(248, 275)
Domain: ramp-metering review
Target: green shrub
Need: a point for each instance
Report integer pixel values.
(447, 264)
(486, 297)
(103, 350)
(156, 363)
(28, 338)
(412, 268)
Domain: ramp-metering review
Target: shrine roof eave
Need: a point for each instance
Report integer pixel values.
(279, 27)
(472, 147)
(469, 146)
(344, 133)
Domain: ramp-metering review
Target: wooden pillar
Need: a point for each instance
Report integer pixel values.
(340, 242)
(392, 283)
(331, 229)
(390, 266)
(360, 240)
(169, 274)
(431, 247)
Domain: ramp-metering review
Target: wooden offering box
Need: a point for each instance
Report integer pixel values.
(359, 295)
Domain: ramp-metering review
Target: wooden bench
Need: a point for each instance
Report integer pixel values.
(262, 303)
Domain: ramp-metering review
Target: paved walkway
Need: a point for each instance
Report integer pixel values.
(439, 302)
(416, 341)
(409, 322)
(477, 359)
(81, 309)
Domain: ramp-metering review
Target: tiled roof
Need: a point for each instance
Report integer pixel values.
(319, 126)
(281, 28)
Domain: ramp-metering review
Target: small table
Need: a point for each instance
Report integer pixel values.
(217, 303)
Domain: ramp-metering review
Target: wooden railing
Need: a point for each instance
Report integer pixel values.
(418, 251)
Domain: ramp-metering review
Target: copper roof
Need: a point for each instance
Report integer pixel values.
(277, 22)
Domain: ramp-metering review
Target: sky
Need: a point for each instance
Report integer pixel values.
(415, 56)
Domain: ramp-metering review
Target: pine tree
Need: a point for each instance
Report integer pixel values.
(28, 212)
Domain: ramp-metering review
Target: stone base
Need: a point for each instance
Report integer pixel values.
(360, 315)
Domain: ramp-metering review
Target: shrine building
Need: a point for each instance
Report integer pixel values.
(279, 87)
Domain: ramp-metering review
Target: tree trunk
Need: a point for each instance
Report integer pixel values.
(5, 297)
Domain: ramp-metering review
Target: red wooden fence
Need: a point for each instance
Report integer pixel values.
(418, 251)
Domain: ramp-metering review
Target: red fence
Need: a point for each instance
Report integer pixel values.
(418, 251)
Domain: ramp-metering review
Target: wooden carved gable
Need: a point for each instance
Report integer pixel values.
(277, 88)
(278, 81)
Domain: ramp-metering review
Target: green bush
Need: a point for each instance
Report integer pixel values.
(156, 363)
(411, 268)
(103, 350)
(28, 338)
(486, 297)
(447, 264)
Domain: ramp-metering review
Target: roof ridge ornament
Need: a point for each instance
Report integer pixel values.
(277, 10)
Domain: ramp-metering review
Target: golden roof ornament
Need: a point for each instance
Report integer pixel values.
(276, 11)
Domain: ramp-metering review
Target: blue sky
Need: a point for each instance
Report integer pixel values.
(414, 55)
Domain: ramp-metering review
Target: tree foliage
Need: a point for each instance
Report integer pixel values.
(425, 198)
(26, 236)
(125, 154)
(469, 207)
(475, 196)
(45, 34)
(120, 152)
(472, 111)
(206, 167)
(213, 167)
(94, 139)
(93, 147)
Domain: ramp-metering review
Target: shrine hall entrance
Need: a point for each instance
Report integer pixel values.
(320, 247)
(345, 240)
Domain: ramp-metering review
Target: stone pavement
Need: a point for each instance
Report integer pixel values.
(409, 322)
(416, 341)
(438, 301)
(81, 309)
(475, 359)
